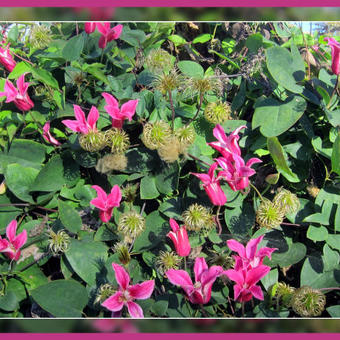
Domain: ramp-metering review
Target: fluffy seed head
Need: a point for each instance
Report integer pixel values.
(156, 134)
(40, 36)
(169, 151)
(284, 293)
(122, 249)
(198, 218)
(104, 292)
(159, 61)
(117, 140)
(167, 260)
(223, 260)
(313, 190)
(111, 162)
(269, 215)
(167, 82)
(131, 225)
(217, 112)
(308, 302)
(92, 141)
(58, 242)
(186, 135)
(129, 192)
(288, 201)
(201, 86)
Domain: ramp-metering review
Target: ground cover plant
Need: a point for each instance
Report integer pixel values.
(169, 170)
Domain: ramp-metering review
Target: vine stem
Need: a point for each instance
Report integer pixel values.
(218, 220)
(254, 187)
(23, 58)
(33, 263)
(172, 110)
(199, 160)
(198, 110)
(330, 288)
(185, 263)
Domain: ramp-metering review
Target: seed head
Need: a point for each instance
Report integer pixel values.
(269, 214)
(159, 61)
(111, 162)
(117, 140)
(217, 113)
(167, 260)
(92, 141)
(40, 36)
(156, 134)
(131, 224)
(167, 82)
(122, 249)
(58, 242)
(284, 293)
(169, 151)
(104, 292)
(288, 201)
(129, 192)
(186, 135)
(308, 302)
(313, 190)
(198, 218)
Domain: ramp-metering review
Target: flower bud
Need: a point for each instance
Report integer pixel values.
(272, 178)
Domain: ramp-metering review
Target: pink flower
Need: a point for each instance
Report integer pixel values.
(105, 203)
(47, 135)
(246, 280)
(200, 292)
(179, 237)
(118, 115)
(81, 124)
(212, 186)
(235, 172)
(90, 27)
(226, 145)
(108, 34)
(335, 47)
(19, 96)
(249, 255)
(11, 246)
(109, 325)
(127, 293)
(6, 59)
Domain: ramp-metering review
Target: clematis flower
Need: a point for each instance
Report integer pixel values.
(108, 34)
(6, 59)
(105, 203)
(47, 135)
(249, 255)
(90, 27)
(226, 145)
(212, 185)
(18, 95)
(235, 172)
(200, 292)
(335, 48)
(81, 124)
(246, 280)
(118, 115)
(127, 293)
(179, 237)
(11, 246)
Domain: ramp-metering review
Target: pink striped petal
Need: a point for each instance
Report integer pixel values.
(252, 247)
(100, 192)
(179, 277)
(142, 290)
(237, 247)
(122, 277)
(173, 224)
(199, 267)
(117, 31)
(257, 292)
(93, 117)
(20, 240)
(11, 230)
(114, 198)
(135, 310)
(114, 303)
(129, 109)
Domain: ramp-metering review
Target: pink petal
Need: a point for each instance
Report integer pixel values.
(219, 134)
(10, 91)
(199, 267)
(100, 192)
(179, 277)
(237, 247)
(72, 124)
(203, 177)
(266, 251)
(110, 100)
(142, 290)
(257, 292)
(245, 171)
(122, 277)
(3, 244)
(102, 42)
(252, 247)
(117, 31)
(22, 86)
(114, 302)
(173, 224)
(11, 230)
(128, 109)
(237, 291)
(93, 117)
(98, 203)
(114, 198)
(20, 240)
(252, 161)
(234, 275)
(211, 171)
(256, 274)
(135, 310)
(102, 28)
(105, 215)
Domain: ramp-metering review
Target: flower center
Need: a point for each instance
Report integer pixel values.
(197, 285)
(125, 296)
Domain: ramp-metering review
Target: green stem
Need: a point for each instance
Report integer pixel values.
(33, 263)
(198, 110)
(254, 187)
(196, 159)
(172, 110)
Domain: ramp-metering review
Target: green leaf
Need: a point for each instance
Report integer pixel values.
(160, 307)
(284, 69)
(19, 180)
(274, 117)
(317, 233)
(254, 42)
(295, 253)
(240, 220)
(153, 234)
(73, 48)
(336, 155)
(148, 189)
(202, 38)
(278, 155)
(270, 279)
(19, 69)
(9, 302)
(334, 311)
(69, 217)
(191, 69)
(330, 258)
(167, 179)
(333, 117)
(61, 298)
(177, 40)
(87, 259)
(45, 77)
